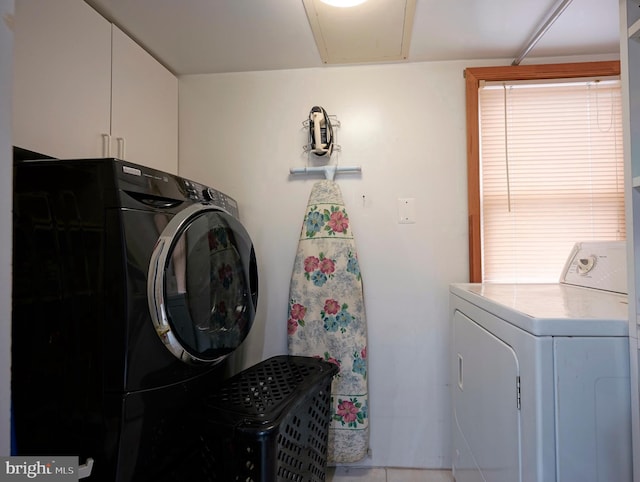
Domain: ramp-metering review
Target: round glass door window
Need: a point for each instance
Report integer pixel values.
(203, 285)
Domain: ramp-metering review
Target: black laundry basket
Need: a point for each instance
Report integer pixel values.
(269, 423)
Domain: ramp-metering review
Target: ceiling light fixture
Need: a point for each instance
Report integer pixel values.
(343, 3)
(375, 31)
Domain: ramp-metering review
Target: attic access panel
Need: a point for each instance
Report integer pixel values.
(374, 31)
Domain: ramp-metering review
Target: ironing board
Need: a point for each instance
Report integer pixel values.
(327, 317)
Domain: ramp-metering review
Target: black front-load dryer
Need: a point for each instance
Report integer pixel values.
(131, 288)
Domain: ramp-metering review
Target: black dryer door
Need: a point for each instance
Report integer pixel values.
(203, 284)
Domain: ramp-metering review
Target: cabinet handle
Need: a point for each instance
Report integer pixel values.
(121, 146)
(106, 145)
(460, 372)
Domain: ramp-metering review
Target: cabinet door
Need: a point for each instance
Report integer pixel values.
(62, 70)
(144, 122)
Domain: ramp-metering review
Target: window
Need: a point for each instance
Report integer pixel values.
(545, 167)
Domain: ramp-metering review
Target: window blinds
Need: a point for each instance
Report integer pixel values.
(552, 174)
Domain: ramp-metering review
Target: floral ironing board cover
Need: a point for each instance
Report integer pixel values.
(327, 316)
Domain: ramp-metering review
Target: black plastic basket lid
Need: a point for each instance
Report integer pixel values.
(263, 391)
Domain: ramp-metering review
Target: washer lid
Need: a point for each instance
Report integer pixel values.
(551, 309)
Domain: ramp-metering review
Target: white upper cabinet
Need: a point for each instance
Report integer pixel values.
(62, 78)
(83, 89)
(144, 107)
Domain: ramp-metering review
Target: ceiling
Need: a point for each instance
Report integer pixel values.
(214, 36)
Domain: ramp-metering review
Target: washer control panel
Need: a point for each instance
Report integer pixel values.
(597, 264)
(200, 193)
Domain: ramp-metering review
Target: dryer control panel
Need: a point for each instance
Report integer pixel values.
(597, 264)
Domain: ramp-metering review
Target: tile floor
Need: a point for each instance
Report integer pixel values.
(349, 474)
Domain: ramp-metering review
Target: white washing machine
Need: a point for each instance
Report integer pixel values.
(540, 375)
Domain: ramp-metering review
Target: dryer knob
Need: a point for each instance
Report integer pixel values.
(586, 264)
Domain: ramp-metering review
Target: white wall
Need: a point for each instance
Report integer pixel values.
(405, 125)
(6, 182)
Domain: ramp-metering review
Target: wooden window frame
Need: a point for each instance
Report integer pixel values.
(473, 77)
